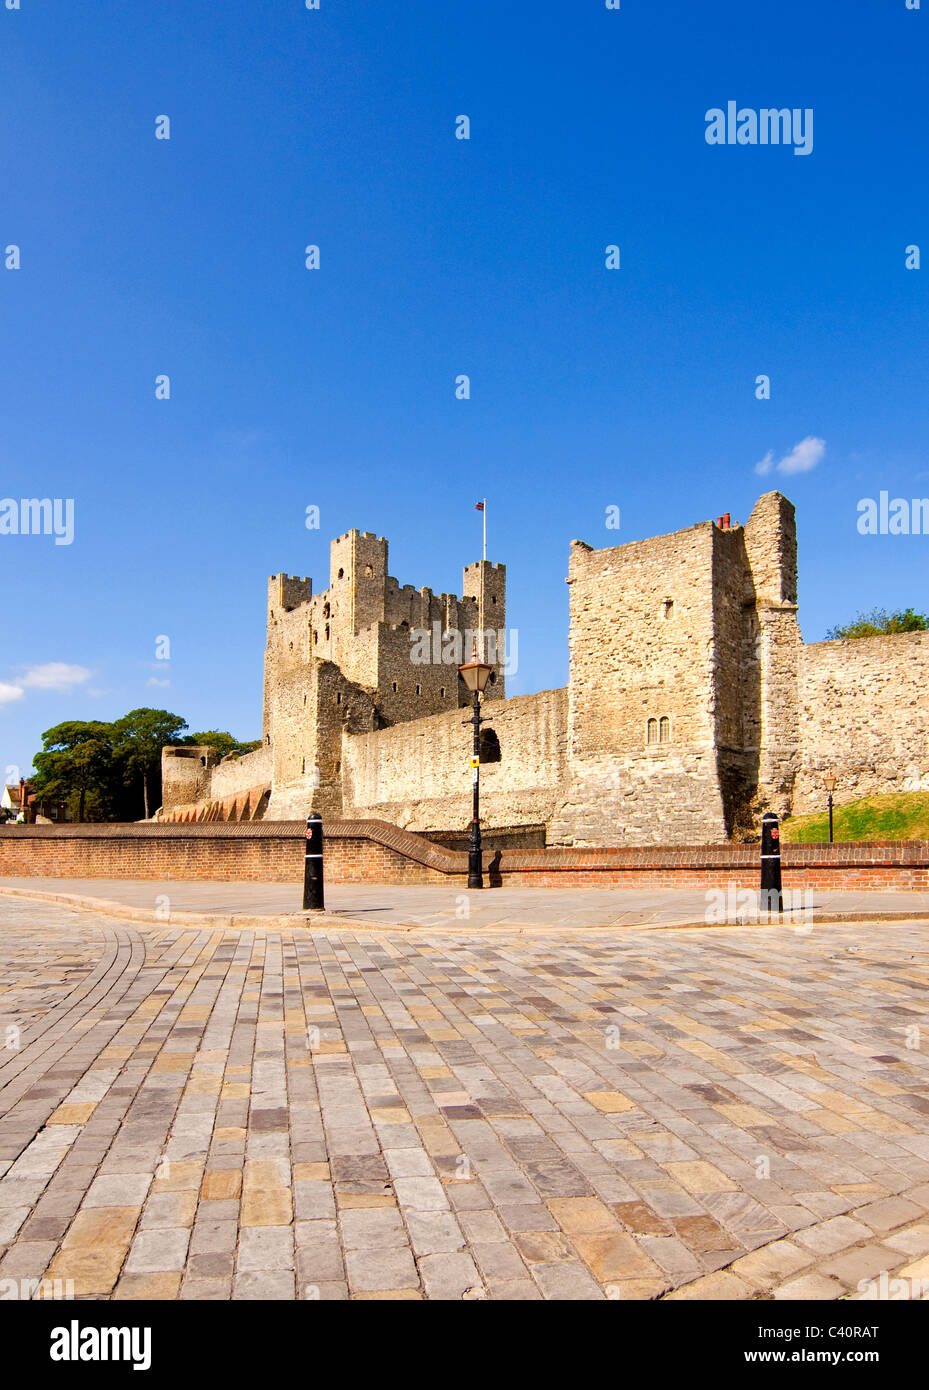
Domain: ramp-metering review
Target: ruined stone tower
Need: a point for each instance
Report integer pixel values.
(682, 704)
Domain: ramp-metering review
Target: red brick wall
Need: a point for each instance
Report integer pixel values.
(268, 859)
(374, 852)
(794, 877)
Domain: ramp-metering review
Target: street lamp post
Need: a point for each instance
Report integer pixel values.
(475, 674)
(829, 781)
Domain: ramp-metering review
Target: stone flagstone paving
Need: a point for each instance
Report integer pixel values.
(286, 1114)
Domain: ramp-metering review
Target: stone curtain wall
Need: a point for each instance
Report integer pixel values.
(237, 775)
(373, 852)
(416, 775)
(864, 713)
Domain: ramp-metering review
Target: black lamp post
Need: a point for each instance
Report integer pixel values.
(475, 674)
(829, 781)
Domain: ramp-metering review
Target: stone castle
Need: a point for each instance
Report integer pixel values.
(692, 702)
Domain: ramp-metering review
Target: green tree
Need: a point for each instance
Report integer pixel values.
(77, 762)
(879, 621)
(138, 739)
(226, 746)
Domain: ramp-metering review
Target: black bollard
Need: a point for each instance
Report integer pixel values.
(313, 864)
(771, 898)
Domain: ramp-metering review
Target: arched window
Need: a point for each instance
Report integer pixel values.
(652, 731)
(664, 730)
(489, 746)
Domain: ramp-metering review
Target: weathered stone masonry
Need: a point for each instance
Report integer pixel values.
(692, 703)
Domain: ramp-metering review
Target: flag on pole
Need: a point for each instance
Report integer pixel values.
(482, 507)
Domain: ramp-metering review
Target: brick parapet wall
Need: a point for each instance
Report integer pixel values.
(376, 852)
(264, 852)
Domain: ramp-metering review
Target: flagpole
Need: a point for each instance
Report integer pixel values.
(481, 612)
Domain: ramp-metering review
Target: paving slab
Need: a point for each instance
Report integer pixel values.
(276, 1113)
(435, 907)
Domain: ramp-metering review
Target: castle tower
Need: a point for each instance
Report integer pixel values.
(286, 592)
(358, 579)
(483, 611)
(641, 736)
(771, 549)
(365, 654)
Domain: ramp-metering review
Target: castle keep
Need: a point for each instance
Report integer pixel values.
(692, 702)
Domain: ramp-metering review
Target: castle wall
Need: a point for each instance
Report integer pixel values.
(186, 773)
(235, 775)
(864, 714)
(735, 677)
(410, 688)
(640, 650)
(771, 547)
(692, 704)
(416, 774)
(312, 706)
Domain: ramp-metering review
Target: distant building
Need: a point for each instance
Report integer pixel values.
(20, 801)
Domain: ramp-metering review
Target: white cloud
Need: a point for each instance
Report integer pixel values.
(802, 457)
(9, 693)
(55, 675)
(153, 680)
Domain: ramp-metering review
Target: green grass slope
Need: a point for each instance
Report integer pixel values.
(898, 816)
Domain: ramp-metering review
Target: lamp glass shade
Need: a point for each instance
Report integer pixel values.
(830, 780)
(475, 673)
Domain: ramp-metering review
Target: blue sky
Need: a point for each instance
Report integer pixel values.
(439, 256)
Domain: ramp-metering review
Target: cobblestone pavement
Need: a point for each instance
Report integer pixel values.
(454, 907)
(295, 1114)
